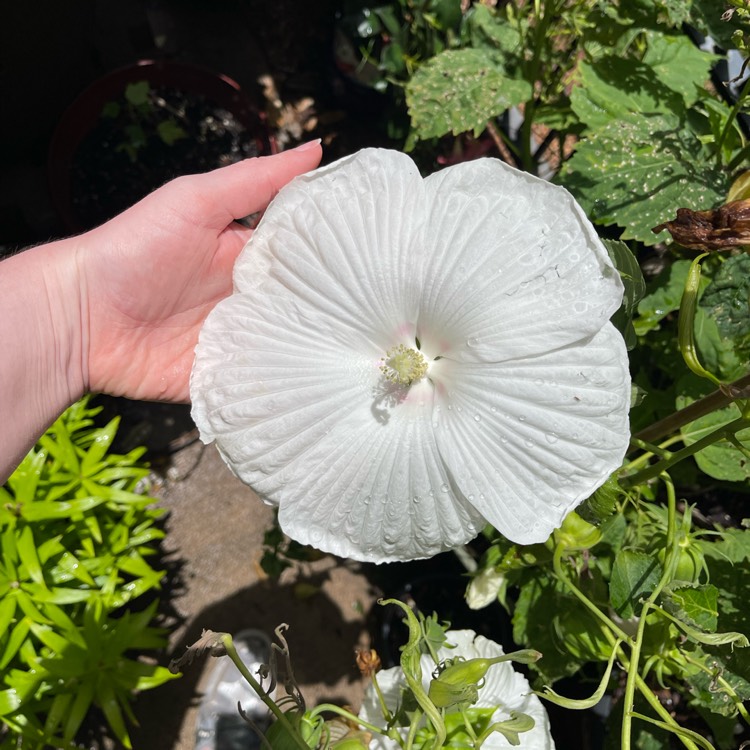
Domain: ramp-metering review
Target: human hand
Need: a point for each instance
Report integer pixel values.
(149, 277)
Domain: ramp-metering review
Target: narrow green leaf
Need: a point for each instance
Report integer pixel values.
(50, 638)
(48, 510)
(58, 595)
(83, 698)
(57, 712)
(107, 701)
(101, 443)
(708, 639)
(7, 611)
(27, 552)
(17, 637)
(9, 701)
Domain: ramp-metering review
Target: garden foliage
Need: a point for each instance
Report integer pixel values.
(77, 537)
(647, 587)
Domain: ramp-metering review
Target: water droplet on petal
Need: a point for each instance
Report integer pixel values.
(529, 443)
(521, 418)
(444, 487)
(472, 341)
(477, 418)
(551, 437)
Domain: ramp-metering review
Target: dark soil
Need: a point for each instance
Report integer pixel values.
(136, 147)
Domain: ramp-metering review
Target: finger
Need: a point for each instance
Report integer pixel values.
(249, 186)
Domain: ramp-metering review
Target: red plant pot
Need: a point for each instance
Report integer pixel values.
(83, 116)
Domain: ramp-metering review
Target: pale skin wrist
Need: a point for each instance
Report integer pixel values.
(41, 372)
(118, 310)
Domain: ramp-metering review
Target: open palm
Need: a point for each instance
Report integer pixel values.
(150, 276)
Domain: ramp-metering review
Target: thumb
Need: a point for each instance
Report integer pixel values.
(248, 186)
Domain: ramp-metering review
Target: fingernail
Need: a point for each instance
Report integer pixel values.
(307, 146)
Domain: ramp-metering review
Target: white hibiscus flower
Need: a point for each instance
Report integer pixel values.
(406, 359)
(503, 689)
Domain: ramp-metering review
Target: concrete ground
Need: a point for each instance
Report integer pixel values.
(215, 529)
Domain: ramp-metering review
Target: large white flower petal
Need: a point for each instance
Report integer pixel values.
(362, 256)
(527, 440)
(310, 425)
(514, 267)
(503, 687)
(344, 239)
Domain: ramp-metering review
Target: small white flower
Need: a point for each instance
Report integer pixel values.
(484, 588)
(503, 688)
(406, 359)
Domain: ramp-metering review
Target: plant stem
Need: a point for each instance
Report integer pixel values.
(558, 568)
(731, 119)
(635, 652)
(649, 696)
(722, 433)
(716, 400)
(255, 685)
(651, 450)
(350, 717)
(543, 14)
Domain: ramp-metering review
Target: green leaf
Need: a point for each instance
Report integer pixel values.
(663, 297)
(635, 287)
(100, 444)
(458, 91)
(7, 611)
(531, 627)
(637, 170)
(79, 709)
(614, 88)
(714, 685)
(722, 460)
(678, 64)
(634, 576)
(17, 637)
(27, 553)
(486, 29)
(726, 301)
(105, 697)
(170, 132)
(694, 605)
(137, 93)
(57, 712)
(9, 701)
(717, 353)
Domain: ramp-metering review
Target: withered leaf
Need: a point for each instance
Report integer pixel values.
(719, 229)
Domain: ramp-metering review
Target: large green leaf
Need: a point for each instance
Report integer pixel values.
(721, 460)
(614, 87)
(726, 301)
(531, 625)
(716, 685)
(694, 605)
(634, 576)
(678, 64)
(459, 90)
(664, 295)
(636, 171)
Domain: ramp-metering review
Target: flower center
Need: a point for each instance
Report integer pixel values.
(403, 366)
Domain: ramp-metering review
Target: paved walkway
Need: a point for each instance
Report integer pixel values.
(215, 529)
